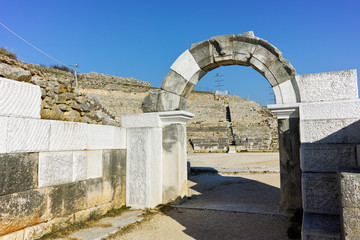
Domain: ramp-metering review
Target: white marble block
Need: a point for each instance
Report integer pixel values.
(100, 137)
(144, 167)
(65, 136)
(119, 138)
(94, 164)
(28, 135)
(55, 168)
(328, 86)
(3, 134)
(185, 65)
(79, 165)
(18, 99)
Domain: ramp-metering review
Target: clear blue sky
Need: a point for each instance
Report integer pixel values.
(141, 39)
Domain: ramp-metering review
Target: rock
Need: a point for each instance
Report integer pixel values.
(64, 107)
(37, 80)
(69, 95)
(15, 73)
(43, 93)
(53, 87)
(48, 102)
(86, 120)
(61, 98)
(72, 115)
(45, 113)
(80, 99)
(56, 112)
(75, 105)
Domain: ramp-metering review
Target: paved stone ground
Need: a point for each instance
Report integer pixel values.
(223, 206)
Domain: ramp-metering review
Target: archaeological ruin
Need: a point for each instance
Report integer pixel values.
(67, 154)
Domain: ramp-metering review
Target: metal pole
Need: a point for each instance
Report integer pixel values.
(76, 81)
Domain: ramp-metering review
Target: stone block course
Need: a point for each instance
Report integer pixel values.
(321, 227)
(341, 85)
(330, 131)
(19, 99)
(65, 136)
(79, 165)
(55, 168)
(100, 137)
(20, 210)
(3, 134)
(320, 193)
(113, 162)
(327, 157)
(27, 135)
(18, 172)
(94, 164)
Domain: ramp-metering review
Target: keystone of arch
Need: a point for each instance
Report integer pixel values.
(243, 49)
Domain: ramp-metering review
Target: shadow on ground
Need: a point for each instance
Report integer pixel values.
(231, 207)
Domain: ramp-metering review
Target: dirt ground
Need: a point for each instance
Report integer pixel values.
(222, 206)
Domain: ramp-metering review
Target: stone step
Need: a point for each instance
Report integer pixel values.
(321, 227)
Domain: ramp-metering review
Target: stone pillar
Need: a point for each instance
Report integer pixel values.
(349, 182)
(289, 147)
(156, 157)
(174, 171)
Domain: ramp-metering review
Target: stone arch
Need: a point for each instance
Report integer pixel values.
(243, 49)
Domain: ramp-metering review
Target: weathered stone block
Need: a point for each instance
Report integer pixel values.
(94, 164)
(327, 157)
(334, 131)
(244, 48)
(18, 172)
(55, 168)
(18, 99)
(79, 165)
(349, 180)
(174, 83)
(222, 49)
(100, 137)
(285, 92)
(114, 162)
(28, 135)
(202, 53)
(320, 193)
(185, 65)
(339, 85)
(282, 70)
(150, 102)
(67, 199)
(264, 56)
(330, 110)
(141, 120)
(99, 191)
(20, 210)
(143, 166)
(65, 136)
(169, 102)
(321, 227)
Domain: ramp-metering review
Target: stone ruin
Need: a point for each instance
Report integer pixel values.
(54, 172)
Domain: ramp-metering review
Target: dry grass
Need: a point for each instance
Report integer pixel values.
(8, 53)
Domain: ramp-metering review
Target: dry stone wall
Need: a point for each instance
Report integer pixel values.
(60, 100)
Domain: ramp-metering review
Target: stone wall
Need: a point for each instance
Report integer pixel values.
(53, 173)
(60, 100)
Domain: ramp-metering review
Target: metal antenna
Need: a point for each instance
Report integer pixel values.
(76, 81)
(219, 80)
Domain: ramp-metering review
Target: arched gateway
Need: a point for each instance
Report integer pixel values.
(318, 115)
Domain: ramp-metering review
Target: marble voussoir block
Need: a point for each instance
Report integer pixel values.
(185, 65)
